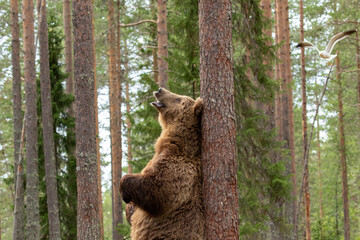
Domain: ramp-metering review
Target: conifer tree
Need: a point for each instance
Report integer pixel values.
(19, 210)
(64, 142)
(217, 89)
(32, 230)
(88, 187)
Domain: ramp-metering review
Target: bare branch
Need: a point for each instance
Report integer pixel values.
(306, 156)
(137, 23)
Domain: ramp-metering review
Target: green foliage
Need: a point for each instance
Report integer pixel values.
(64, 139)
(6, 159)
(184, 52)
(183, 62)
(263, 183)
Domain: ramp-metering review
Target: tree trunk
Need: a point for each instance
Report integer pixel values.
(19, 213)
(68, 52)
(218, 121)
(343, 154)
(115, 120)
(101, 215)
(162, 44)
(269, 108)
(32, 179)
(358, 66)
(318, 152)
(15, 53)
(88, 218)
(128, 121)
(278, 107)
(19, 207)
(304, 126)
(287, 118)
(47, 121)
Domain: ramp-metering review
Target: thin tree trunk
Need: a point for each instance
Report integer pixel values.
(98, 160)
(337, 207)
(119, 217)
(278, 107)
(32, 179)
(269, 108)
(88, 217)
(162, 53)
(47, 120)
(19, 213)
(128, 121)
(115, 119)
(358, 66)
(318, 152)
(19, 209)
(287, 121)
(15, 53)
(154, 50)
(218, 123)
(290, 105)
(119, 77)
(343, 154)
(304, 127)
(68, 52)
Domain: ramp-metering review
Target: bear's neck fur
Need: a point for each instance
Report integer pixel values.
(182, 140)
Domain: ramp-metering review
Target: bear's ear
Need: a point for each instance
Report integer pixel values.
(198, 106)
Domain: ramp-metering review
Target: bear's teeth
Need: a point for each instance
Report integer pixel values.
(158, 104)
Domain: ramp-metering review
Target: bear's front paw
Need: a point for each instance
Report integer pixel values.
(125, 187)
(129, 210)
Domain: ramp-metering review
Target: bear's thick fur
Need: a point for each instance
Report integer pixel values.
(165, 199)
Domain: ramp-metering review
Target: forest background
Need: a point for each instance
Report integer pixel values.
(269, 205)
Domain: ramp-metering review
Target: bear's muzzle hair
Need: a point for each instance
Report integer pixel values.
(157, 95)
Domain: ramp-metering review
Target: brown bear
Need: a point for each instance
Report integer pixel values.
(164, 201)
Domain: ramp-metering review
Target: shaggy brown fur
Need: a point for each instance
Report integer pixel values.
(165, 198)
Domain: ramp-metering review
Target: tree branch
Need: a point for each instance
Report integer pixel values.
(306, 156)
(137, 23)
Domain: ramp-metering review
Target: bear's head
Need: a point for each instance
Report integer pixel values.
(177, 111)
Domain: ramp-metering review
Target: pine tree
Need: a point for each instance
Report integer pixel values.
(88, 217)
(64, 142)
(32, 230)
(304, 127)
(262, 180)
(47, 124)
(19, 210)
(343, 154)
(217, 89)
(162, 38)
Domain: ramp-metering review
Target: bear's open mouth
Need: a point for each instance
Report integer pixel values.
(158, 104)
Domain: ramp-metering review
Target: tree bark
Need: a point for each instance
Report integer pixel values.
(278, 107)
(154, 50)
(358, 66)
(98, 160)
(32, 179)
(19, 210)
(162, 44)
(318, 152)
(19, 206)
(287, 119)
(15, 53)
(88, 218)
(218, 121)
(128, 121)
(115, 119)
(47, 121)
(343, 154)
(68, 52)
(269, 108)
(304, 127)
